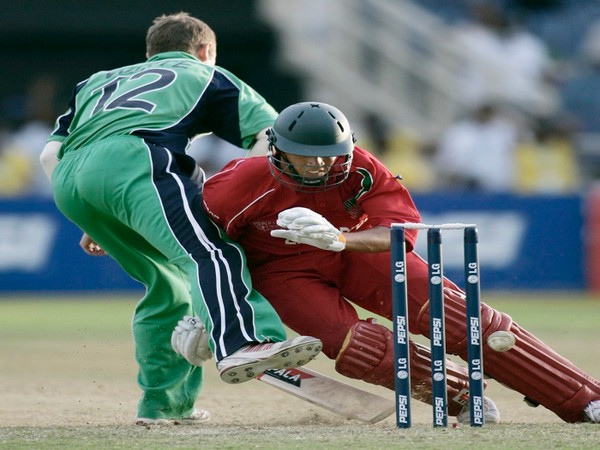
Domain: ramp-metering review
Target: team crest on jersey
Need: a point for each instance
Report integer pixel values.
(352, 208)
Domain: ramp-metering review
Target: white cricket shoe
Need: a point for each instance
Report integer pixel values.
(491, 414)
(196, 417)
(252, 360)
(591, 412)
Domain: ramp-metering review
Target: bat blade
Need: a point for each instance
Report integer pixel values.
(330, 394)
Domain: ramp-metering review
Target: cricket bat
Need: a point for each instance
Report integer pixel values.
(330, 394)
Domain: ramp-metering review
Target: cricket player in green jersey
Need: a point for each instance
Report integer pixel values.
(119, 170)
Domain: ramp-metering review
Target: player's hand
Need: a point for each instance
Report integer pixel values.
(90, 247)
(286, 218)
(305, 226)
(190, 340)
(307, 222)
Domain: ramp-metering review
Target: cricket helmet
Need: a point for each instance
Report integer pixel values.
(311, 129)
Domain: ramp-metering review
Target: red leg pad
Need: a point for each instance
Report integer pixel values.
(368, 354)
(530, 367)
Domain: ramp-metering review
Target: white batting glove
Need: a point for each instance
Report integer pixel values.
(305, 226)
(286, 218)
(190, 340)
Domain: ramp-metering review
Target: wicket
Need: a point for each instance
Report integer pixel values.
(437, 325)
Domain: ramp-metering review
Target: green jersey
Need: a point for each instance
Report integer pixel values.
(134, 100)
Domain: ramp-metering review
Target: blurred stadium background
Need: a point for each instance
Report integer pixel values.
(405, 72)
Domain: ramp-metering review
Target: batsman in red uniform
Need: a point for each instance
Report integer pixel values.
(314, 218)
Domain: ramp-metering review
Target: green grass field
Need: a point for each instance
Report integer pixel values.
(67, 380)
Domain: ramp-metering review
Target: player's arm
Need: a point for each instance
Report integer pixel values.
(49, 157)
(49, 161)
(305, 226)
(376, 239)
(260, 145)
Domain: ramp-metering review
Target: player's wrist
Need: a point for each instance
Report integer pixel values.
(339, 244)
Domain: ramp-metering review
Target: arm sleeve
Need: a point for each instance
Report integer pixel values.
(388, 201)
(237, 112)
(61, 129)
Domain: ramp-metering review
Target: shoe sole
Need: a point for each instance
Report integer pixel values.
(294, 356)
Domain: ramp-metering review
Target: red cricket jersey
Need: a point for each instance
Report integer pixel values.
(244, 199)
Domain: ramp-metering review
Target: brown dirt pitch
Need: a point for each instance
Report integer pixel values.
(67, 379)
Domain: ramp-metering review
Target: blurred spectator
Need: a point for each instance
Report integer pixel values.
(410, 159)
(504, 61)
(581, 100)
(400, 150)
(378, 132)
(21, 173)
(15, 171)
(547, 164)
(580, 93)
(478, 152)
